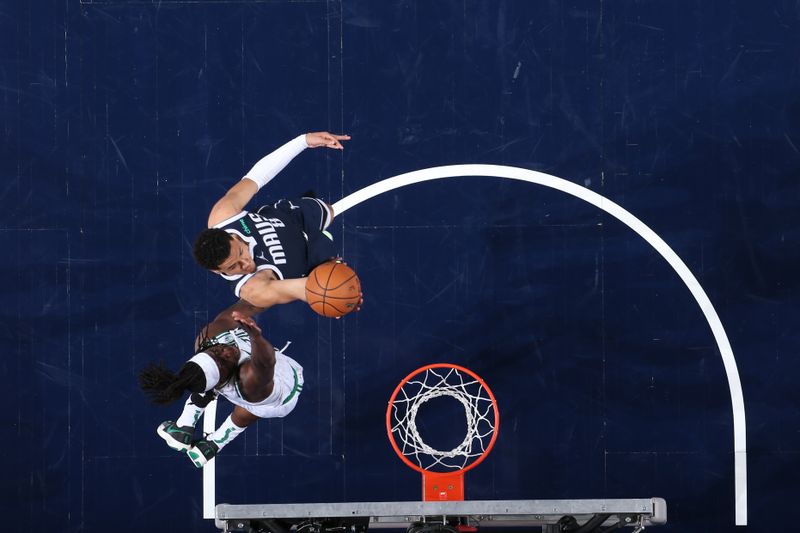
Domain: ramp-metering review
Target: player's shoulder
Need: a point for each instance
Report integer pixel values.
(231, 219)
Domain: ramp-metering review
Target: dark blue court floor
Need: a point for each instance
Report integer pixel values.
(122, 122)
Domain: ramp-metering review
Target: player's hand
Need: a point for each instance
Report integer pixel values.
(246, 321)
(323, 138)
(358, 306)
(361, 296)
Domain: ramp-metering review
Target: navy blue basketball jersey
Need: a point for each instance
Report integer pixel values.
(286, 238)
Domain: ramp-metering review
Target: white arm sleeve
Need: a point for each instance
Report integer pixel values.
(269, 166)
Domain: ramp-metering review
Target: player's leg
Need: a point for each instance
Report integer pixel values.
(204, 450)
(311, 214)
(312, 195)
(317, 214)
(179, 434)
(317, 217)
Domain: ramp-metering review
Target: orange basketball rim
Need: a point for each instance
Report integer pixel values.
(442, 470)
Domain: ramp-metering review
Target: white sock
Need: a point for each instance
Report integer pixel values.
(190, 415)
(225, 433)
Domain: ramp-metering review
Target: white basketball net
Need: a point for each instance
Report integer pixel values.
(434, 383)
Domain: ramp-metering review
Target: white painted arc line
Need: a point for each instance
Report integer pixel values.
(540, 178)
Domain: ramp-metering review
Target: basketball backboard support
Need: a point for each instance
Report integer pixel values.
(443, 516)
(442, 509)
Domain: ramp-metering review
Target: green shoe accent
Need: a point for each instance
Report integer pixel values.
(178, 438)
(202, 452)
(197, 458)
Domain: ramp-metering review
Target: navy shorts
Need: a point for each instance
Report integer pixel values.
(313, 216)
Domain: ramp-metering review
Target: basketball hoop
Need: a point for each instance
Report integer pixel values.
(442, 470)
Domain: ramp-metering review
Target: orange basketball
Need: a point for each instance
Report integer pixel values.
(333, 289)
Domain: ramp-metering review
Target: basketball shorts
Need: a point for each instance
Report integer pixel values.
(313, 216)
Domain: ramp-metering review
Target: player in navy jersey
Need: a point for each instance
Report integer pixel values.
(266, 253)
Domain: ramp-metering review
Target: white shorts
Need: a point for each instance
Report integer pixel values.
(288, 380)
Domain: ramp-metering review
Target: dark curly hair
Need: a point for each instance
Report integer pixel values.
(211, 248)
(164, 387)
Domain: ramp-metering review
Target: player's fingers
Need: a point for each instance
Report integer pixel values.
(332, 141)
(246, 320)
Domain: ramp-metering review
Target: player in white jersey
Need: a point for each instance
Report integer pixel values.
(232, 360)
(265, 254)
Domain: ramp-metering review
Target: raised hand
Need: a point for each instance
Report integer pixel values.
(323, 138)
(246, 321)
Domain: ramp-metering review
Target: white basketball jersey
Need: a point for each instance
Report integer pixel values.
(288, 379)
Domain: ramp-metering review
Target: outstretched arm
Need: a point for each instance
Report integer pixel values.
(267, 168)
(261, 291)
(222, 322)
(263, 354)
(238, 313)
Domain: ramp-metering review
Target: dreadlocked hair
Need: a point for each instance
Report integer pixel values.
(164, 387)
(211, 248)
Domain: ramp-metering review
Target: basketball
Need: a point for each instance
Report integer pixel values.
(333, 289)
